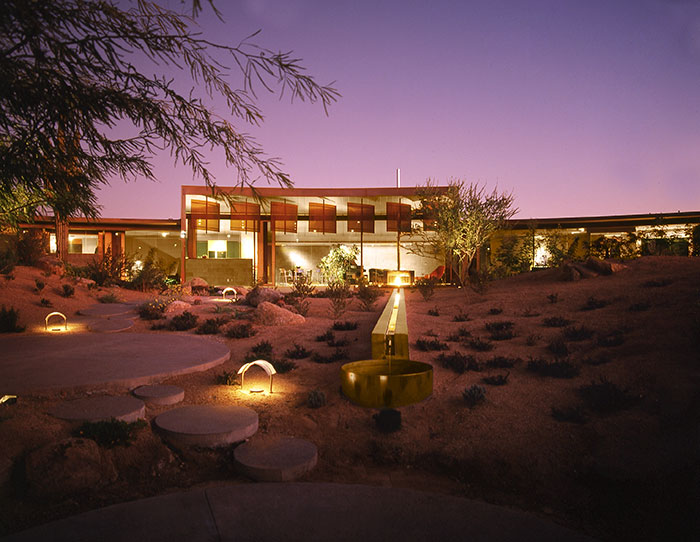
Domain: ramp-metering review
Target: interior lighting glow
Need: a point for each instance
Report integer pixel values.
(164, 234)
(59, 314)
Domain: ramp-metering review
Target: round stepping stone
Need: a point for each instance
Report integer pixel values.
(160, 394)
(276, 460)
(105, 310)
(111, 325)
(102, 407)
(207, 425)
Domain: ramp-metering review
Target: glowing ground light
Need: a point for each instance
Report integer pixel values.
(265, 365)
(227, 290)
(59, 314)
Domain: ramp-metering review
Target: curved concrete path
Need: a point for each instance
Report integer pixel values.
(76, 361)
(298, 511)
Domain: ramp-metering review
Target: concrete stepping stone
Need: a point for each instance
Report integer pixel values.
(207, 425)
(110, 325)
(276, 460)
(160, 394)
(106, 310)
(101, 407)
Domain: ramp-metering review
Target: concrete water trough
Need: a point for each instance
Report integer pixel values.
(391, 379)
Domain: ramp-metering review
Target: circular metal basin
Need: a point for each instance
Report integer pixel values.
(379, 384)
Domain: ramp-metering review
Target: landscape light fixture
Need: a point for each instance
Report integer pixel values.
(59, 314)
(227, 290)
(265, 365)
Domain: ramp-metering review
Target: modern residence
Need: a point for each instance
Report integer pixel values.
(243, 236)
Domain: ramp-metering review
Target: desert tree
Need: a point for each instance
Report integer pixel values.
(462, 216)
(90, 90)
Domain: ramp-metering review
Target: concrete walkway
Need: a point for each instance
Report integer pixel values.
(79, 361)
(298, 511)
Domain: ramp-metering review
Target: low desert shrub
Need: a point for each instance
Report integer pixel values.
(240, 331)
(153, 310)
(593, 303)
(553, 298)
(39, 285)
(555, 321)
(640, 306)
(473, 395)
(388, 420)
(263, 349)
(657, 283)
(339, 354)
(67, 290)
(558, 348)
(532, 339)
(503, 362)
(45, 302)
(226, 378)
(573, 333)
(495, 310)
(316, 399)
(211, 326)
(599, 359)
(325, 337)
(480, 345)
(496, 380)
(460, 335)
(529, 312)
(367, 295)
(459, 362)
(560, 368)
(461, 317)
(338, 342)
(9, 319)
(284, 366)
(428, 345)
(500, 331)
(339, 294)
(112, 433)
(604, 397)
(611, 338)
(347, 325)
(435, 311)
(108, 298)
(426, 287)
(183, 322)
(573, 414)
(297, 352)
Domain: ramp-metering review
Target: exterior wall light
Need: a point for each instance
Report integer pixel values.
(59, 314)
(265, 365)
(183, 234)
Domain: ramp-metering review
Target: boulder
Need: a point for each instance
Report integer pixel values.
(569, 272)
(197, 285)
(601, 267)
(617, 267)
(269, 314)
(177, 306)
(261, 295)
(51, 264)
(66, 467)
(88, 283)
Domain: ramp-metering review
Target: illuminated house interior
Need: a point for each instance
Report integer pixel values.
(240, 237)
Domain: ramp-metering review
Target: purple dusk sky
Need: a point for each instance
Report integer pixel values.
(580, 107)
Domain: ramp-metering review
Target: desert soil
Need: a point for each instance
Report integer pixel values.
(629, 474)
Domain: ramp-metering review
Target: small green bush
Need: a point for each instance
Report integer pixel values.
(502, 362)
(347, 325)
(297, 352)
(556, 321)
(284, 366)
(480, 345)
(240, 331)
(183, 322)
(569, 414)
(153, 310)
(108, 298)
(427, 345)
(459, 362)
(9, 319)
(473, 395)
(325, 337)
(496, 380)
(556, 369)
(460, 335)
(316, 399)
(109, 434)
(67, 290)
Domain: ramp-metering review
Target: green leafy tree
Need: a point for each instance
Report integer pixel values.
(338, 262)
(77, 107)
(463, 216)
